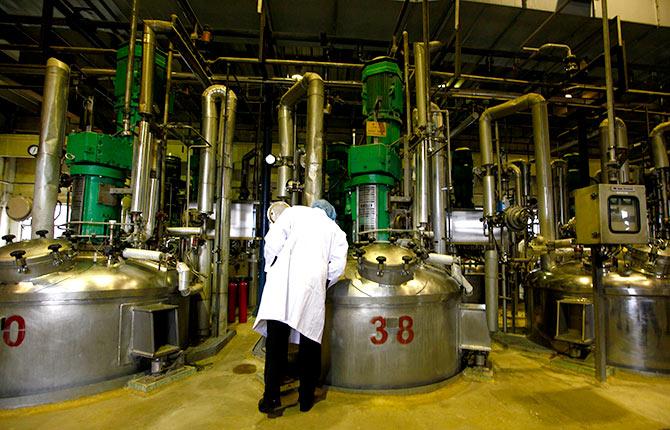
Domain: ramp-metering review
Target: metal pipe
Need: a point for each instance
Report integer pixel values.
(619, 172)
(406, 161)
(52, 137)
(312, 85)
(422, 192)
(130, 68)
(210, 129)
(224, 185)
(518, 182)
(153, 188)
(659, 151)
(611, 153)
(184, 231)
(439, 182)
(143, 254)
(491, 288)
(142, 151)
(538, 106)
(560, 169)
(286, 149)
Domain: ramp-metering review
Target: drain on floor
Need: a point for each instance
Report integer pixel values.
(244, 368)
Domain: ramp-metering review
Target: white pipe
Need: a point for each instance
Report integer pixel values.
(184, 273)
(143, 254)
(445, 259)
(458, 276)
(184, 231)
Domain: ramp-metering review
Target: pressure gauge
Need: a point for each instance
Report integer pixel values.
(32, 150)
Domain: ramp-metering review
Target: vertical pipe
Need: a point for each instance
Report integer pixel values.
(600, 354)
(265, 183)
(314, 146)
(406, 160)
(613, 172)
(545, 194)
(659, 154)
(609, 85)
(560, 169)
(285, 171)
(52, 136)
(142, 151)
(422, 192)
(439, 201)
(130, 67)
(227, 133)
(491, 288)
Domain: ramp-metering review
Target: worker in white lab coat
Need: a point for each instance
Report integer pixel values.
(305, 252)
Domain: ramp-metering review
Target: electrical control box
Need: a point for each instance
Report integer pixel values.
(611, 214)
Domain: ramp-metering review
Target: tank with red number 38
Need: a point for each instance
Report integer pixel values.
(392, 322)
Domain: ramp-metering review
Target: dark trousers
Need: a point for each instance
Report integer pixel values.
(276, 361)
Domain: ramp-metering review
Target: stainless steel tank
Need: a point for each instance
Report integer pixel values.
(637, 309)
(392, 322)
(66, 318)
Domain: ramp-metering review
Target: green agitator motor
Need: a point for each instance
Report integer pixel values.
(99, 162)
(375, 167)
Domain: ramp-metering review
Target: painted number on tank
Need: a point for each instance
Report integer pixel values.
(405, 333)
(20, 334)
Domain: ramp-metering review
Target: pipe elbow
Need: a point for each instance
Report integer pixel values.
(535, 98)
(659, 129)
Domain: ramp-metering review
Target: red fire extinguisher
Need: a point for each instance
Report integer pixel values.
(243, 294)
(232, 301)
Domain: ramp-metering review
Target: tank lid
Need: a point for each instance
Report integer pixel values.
(393, 254)
(28, 259)
(35, 249)
(653, 260)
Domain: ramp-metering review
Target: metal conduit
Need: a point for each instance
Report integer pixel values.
(545, 194)
(439, 182)
(286, 150)
(312, 85)
(422, 186)
(52, 136)
(659, 151)
(617, 151)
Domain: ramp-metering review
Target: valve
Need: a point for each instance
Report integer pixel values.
(42, 233)
(8, 238)
(55, 253)
(19, 255)
(406, 260)
(380, 265)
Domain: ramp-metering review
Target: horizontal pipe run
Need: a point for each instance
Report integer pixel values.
(143, 254)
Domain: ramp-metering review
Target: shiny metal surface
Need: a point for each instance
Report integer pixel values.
(77, 324)
(357, 353)
(422, 192)
(52, 137)
(637, 308)
(286, 150)
(614, 172)
(39, 259)
(439, 185)
(242, 220)
(659, 150)
(466, 227)
(491, 288)
(312, 85)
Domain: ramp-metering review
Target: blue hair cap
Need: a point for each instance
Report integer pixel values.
(325, 206)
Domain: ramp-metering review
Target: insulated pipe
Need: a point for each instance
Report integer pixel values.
(52, 136)
(518, 184)
(545, 193)
(609, 173)
(659, 152)
(439, 183)
(143, 254)
(184, 231)
(286, 150)
(130, 68)
(560, 168)
(609, 86)
(491, 288)
(224, 184)
(139, 182)
(406, 160)
(422, 191)
(312, 85)
(209, 131)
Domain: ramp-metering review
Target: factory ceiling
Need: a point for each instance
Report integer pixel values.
(494, 42)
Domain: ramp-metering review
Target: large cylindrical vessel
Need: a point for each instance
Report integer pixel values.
(392, 325)
(68, 318)
(637, 309)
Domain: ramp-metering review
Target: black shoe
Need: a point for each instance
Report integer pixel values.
(306, 403)
(269, 406)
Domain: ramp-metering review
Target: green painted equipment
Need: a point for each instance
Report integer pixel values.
(375, 167)
(99, 162)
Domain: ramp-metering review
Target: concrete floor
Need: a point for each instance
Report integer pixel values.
(528, 390)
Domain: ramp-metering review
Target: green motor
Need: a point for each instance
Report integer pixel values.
(375, 167)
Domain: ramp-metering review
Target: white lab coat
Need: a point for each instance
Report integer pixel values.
(310, 249)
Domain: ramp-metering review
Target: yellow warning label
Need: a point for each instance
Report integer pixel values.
(374, 128)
